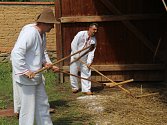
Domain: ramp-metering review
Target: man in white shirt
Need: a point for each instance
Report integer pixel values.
(29, 55)
(81, 40)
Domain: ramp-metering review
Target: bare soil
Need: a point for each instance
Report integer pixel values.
(6, 112)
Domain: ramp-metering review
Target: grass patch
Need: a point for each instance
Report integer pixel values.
(68, 112)
(6, 90)
(8, 121)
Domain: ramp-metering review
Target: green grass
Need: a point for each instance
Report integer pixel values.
(68, 111)
(6, 92)
(8, 121)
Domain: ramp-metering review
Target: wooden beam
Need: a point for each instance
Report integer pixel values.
(118, 78)
(59, 39)
(130, 26)
(156, 50)
(164, 4)
(58, 14)
(73, 19)
(126, 67)
(139, 72)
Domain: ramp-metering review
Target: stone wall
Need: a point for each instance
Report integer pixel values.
(13, 16)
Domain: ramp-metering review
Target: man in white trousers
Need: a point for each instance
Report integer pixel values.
(81, 40)
(29, 55)
(16, 93)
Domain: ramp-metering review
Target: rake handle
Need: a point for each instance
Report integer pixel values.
(44, 68)
(77, 76)
(120, 83)
(127, 91)
(92, 46)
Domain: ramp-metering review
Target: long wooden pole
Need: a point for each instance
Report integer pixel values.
(120, 83)
(127, 91)
(80, 57)
(150, 94)
(78, 76)
(44, 68)
(164, 4)
(92, 46)
(156, 50)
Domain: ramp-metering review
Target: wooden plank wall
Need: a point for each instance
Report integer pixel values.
(129, 31)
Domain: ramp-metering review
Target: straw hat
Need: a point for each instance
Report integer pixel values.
(46, 16)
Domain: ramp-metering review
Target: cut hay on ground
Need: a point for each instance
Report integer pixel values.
(113, 107)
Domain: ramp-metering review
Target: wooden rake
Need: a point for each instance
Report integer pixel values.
(120, 83)
(92, 46)
(116, 84)
(44, 68)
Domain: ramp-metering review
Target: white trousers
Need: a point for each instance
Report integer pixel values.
(34, 105)
(85, 73)
(16, 97)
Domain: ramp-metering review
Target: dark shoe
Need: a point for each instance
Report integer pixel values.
(51, 110)
(75, 91)
(88, 93)
(17, 115)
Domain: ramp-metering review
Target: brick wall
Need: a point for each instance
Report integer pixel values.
(13, 16)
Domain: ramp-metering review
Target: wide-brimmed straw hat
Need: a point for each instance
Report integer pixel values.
(46, 16)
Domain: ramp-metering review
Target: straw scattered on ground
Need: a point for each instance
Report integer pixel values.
(114, 107)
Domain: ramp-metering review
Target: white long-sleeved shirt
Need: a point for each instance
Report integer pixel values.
(80, 41)
(28, 54)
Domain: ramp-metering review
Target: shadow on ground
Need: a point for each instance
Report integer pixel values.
(97, 88)
(71, 120)
(58, 103)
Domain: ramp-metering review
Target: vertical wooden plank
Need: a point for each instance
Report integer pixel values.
(58, 30)
(59, 36)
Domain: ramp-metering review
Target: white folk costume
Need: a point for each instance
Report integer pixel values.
(29, 54)
(80, 41)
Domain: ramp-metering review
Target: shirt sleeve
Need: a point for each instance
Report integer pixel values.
(74, 45)
(18, 55)
(91, 54)
(46, 58)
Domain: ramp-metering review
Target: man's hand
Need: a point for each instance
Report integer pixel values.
(47, 65)
(92, 47)
(55, 68)
(76, 56)
(30, 74)
(89, 65)
(51, 66)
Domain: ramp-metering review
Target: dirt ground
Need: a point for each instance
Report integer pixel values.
(112, 106)
(6, 112)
